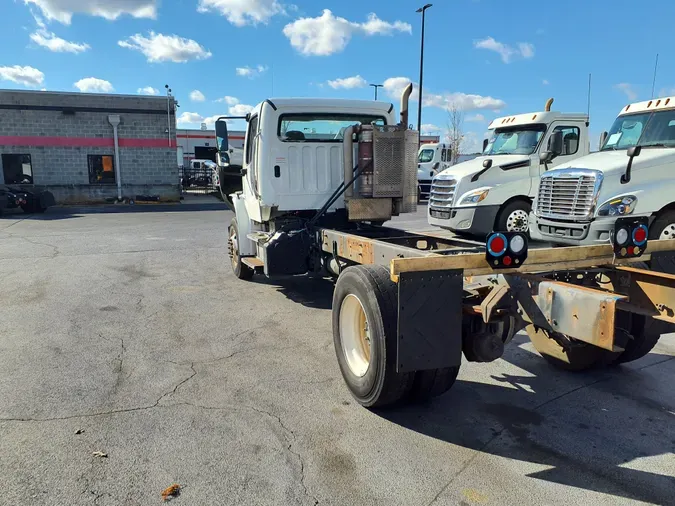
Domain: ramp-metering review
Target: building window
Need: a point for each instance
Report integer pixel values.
(17, 169)
(101, 169)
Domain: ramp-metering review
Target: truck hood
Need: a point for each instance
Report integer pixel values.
(615, 162)
(470, 167)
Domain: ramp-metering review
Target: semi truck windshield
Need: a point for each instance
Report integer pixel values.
(520, 140)
(648, 129)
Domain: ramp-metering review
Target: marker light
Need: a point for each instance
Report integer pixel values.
(629, 236)
(640, 235)
(517, 244)
(622, 236)
(505, 249)
(496, 244)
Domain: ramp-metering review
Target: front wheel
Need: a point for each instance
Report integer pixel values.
(240, 270)
(514, 216)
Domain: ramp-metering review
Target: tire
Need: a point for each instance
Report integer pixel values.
(580, 357)
(368, 367)
(240, 270)
(428, 384)
(663, 228)
(646, 333)
(510, 216)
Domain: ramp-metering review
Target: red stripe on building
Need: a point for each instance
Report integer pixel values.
(82, 142)
(212, 137)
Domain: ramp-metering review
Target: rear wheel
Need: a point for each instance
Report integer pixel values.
(663, 228)
(428, 384)
(240, 270)
(514, 216)
(365, 335)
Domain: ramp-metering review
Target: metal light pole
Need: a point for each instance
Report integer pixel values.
(419, 107)
(376, 86)
(168, 112)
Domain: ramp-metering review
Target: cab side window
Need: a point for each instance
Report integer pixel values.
(570, 136)
(443, 155)
(250, 138)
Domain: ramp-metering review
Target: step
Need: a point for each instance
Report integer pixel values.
(253, 262)
(259, 236)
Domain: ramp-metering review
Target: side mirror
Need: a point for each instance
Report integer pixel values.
(436, 166)
(634, 151)
(487, 163)
(545, 156)
(485, 143)
(486, 166)
(603, 138)
(221, 136)
(556, 144)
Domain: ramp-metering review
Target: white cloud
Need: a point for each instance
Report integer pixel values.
(56, 44)
(243, 12)
(235, 109)
(429, 128)
(507, 53)
(348, 82)
(197, 96)
(329, 34)
(28, 76)
(466, 102)
(251, 72)
(63, 10)
(158, 47)
(476, 118)
(628, 90)
(148, 90)
(229, 100)
(94, 85)
(545, 82)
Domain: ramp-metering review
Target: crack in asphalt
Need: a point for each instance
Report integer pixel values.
(481, 450)
(54, 254)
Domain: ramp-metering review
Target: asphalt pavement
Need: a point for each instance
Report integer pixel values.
(127, 334)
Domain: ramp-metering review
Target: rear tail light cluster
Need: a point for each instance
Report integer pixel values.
(504, 250)
(629, 237)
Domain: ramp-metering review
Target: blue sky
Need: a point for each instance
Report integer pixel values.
(489, 58)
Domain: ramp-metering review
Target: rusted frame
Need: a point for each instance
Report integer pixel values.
(650, 293)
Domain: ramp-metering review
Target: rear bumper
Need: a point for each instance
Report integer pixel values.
(477, 221)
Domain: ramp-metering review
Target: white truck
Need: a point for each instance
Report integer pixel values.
(579, 202)
(495, 191)
(432, 158)
(319, 179)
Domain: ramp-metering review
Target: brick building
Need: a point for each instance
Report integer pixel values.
(65, 142)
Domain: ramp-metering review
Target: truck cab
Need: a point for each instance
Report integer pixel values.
(432, 159)
(495, 190)
(579, 202)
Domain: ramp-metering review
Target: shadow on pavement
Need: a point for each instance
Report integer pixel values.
(587, 442)
(313, 292)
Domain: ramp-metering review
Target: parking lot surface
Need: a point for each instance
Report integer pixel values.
(127, 334)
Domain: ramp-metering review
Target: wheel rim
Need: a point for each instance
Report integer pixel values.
(234, 248)
(517, 221)
(668, 232)
(355, 335)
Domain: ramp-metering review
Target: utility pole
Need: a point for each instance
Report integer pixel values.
(376, 86)
(423, 10)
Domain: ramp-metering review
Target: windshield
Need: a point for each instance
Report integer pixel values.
(426, 155)
(656, 129)
(520, 140)
(320, 127)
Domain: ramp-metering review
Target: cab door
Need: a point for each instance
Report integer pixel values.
(574, 138)
(250, 176)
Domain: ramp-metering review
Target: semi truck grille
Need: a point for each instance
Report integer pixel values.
(442, 193)
(568, 194)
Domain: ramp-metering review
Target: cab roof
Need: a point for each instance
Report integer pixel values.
(332, 103)
(654, 104)
(535, 117)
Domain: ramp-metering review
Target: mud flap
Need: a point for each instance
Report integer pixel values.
(429, 320)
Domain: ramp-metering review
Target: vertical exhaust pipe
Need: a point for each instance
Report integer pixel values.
(405, 97)
(549, 103)
(348, 159)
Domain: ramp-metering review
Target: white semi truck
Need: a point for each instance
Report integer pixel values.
(495, 191)
(319, 179)
(432, 159)
(631, 175)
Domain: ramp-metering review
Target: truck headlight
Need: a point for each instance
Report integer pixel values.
(619, 206)
(474, 197)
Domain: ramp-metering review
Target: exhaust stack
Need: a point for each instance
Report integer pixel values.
(405, 97)
(549, 103)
